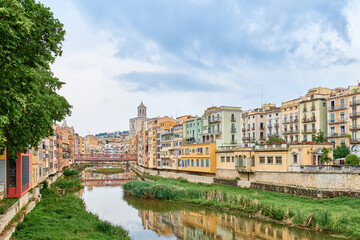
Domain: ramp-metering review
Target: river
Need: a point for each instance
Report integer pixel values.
(154, 219)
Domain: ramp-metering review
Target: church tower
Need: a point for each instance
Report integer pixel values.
(141, 111)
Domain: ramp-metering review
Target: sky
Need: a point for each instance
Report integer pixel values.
(182, 56)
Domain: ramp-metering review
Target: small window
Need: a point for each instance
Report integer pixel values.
(222, 159)
(278, 160)
(197, 162)
(227, 159)
(262, 160)
(207, 150)
(232, 159)
(270, 160)
(295, 159)
(192, 162)
(202, 162)
(207, 162)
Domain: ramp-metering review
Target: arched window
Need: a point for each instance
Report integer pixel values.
(240, 161)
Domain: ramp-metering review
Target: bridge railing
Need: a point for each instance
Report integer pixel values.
(126, 156)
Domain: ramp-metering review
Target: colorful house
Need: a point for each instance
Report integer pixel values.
(18, 174)
(200, 157)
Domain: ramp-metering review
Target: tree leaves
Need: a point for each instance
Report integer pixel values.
(30, 40)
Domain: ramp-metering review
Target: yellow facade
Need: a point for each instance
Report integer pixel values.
(199, 157)
(34, 168)
(290, 111)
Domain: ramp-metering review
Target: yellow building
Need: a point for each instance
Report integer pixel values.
(290, 120)
(200, 157)
(2, 174)
(338, 117)
(155, 125)
(34, 168)
(241, 162)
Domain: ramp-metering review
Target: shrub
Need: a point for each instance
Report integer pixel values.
(71, 172)
(351, 159)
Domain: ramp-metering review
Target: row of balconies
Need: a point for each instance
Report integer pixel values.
(335, 135)
(294, 120)
(311, 109)
(306, 120)
(335, 108)
(291, 131)
(333, 121)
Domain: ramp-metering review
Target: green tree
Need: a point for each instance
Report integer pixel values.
(324, 157)
(341, 151)
(274, 139)
(320, 137)
(351, 159)
(30, 40)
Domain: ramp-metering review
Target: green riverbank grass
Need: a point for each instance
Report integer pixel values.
(109, 170)
(341, 215)
(65, 217)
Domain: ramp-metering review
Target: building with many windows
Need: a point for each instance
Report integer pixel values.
(354, 127)
(338, 117)
(222, 125)
(198, 157)
(273, 122)
(193, 129)
(290, 111)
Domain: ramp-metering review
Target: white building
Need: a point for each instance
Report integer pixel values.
(135, 123)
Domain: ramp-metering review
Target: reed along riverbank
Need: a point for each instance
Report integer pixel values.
(62, 215)
(338, 215)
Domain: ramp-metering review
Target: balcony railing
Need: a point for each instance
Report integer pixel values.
(245, 138)
(333, 121)
(354, 115)
(312, 108)
(233, 141)
(242, 169)
(312, 119)
(262, 128)
(233, 130)
(306, 131)
(215, 120)
(262, 137)
(304, 110)
(335, 108)
(233, 119)
(244, 129)
(276, 125)
(336, 135)
(253, 128)
(270, 126)
(354, 103)
(355, 141)
(354, 127)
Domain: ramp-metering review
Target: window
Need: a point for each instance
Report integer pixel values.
(222, 159)
(262, 160)
(253, 162)
(192, 162)
(207, 150)
(270, 160)
(193, 151)
(197, 162)
(342, 102)
(202, 162)
(232, 159)
(278, 160)
(294, 158)
(240, 161)
(227, 159)
(207, 162)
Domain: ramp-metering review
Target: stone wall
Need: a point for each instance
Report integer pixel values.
(314, 193)
(14, 209)
(321, 180)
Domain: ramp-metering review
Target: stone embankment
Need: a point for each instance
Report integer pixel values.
(17, 212)
(315, 185)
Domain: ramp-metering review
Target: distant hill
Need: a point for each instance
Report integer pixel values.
(112, 134)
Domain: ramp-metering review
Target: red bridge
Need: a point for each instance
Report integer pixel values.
(106, 157)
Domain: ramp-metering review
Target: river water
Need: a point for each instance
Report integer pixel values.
(155, 219)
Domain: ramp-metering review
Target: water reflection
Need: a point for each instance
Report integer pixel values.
(154, 219)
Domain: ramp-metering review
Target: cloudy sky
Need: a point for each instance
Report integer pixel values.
(182, 56)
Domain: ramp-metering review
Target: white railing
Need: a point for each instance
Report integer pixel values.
(330, 168)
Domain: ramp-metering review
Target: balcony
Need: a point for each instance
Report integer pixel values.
(336, 135)
(270, 126)
(335, 108)
(233, 141)
(215, 120)
(244, 129)
(355, 141)
(262, 137)
(304, 110)
(262, 128)
(354, 127)
(312, 108)
(307, 120)
(354, 103)
(233, 130)
(333, 121)
(276, 125)
(354, 115)
(253, 128)
(307, 131)
(242, 169)
(245, 138)
(233, 119)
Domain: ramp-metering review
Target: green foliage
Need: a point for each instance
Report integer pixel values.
(274, 139)
(6, 203)
(71, 172)
(31, 38)
(45, 184)
(56, 217)
(320, 137)
(351, 159)
(73, 183)
(109, 170)
(341, 151)
(324, 157)
(337, 214)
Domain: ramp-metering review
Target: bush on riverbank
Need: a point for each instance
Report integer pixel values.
(109, 170)
(71, 172)
(336, 214)
(65, 217)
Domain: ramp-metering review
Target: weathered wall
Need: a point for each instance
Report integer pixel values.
(321, 180)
